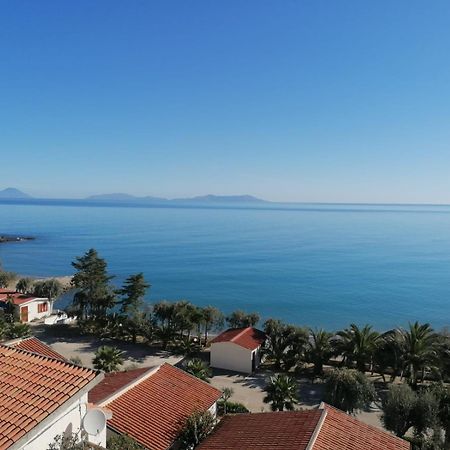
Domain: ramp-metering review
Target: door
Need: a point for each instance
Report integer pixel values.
(24, 314)
(253, 362)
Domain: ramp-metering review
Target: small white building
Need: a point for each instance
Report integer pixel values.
(26, 307)
(237, 349)
(42, 398)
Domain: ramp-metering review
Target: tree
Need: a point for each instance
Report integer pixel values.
(319, 349)
(285, 344)
(349, 390)
(122, 442)
(94, 293)
(195, 429)
(6, 278)
(50, 289)
(358, 345)
(165, 316)
(212, 318)
(133, 292)
(398, 409)
(17, 330)
(25, 285)
(108, 359)
(418, 350)
(68, 442)
(240, 319)
(198, 368)
(282, 393)
(227, 393)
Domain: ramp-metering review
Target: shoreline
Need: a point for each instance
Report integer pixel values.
(65, 280)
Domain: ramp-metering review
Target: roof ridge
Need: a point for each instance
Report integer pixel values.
(13, 350)
(133, 383)
(317, 429)
(240, 333)
(324, 405)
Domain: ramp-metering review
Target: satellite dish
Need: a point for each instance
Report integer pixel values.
(94, 421)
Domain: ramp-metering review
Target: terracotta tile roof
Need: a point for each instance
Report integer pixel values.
(152, 411)
(34, 345)
(31, 388)
(114, 382)
(341, 431)
(325, 428)
(264, 431)
(18, 298)
(249, 337)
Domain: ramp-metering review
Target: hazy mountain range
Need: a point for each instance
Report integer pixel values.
(13, 193)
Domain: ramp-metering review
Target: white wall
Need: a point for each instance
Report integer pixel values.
(229, 356)
(70, 419)
(33, 309)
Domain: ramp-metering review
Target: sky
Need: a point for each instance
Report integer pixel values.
(306, 100)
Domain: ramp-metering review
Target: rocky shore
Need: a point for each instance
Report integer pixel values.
(7, 238)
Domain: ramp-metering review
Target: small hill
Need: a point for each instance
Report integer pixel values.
(13, 193)
(224, 199)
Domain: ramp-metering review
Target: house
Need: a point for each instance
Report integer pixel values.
(26, 307)
(34, 345)
(325, 428)
(237, 349)
(42, 397)
(150, 405)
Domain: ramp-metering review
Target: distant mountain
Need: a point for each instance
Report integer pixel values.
(13, 193)
(120, 197)
(210, 199)
(222, 199)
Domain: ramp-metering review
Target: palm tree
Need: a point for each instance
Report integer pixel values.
(108, 359)
(198, 368)
(358, 345)
(319, 349)
(282, 393)
(418, 345)
(24, 285)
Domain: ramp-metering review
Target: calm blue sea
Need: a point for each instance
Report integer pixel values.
(318, 265)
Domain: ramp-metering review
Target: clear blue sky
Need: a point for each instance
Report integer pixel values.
(287, 100)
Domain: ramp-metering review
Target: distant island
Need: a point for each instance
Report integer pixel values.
(13, 193)
(16, 194)
(4, 239)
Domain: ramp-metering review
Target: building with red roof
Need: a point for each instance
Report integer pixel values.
(41, 398)
(26, 307)
(34, 345)
(150, 405)
(237, 349)
(325, 428)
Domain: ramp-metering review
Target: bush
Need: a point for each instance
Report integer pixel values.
(232, 408)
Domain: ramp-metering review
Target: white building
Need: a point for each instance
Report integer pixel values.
(42, 397)
(237, 349)
(26, 307)
(151, 404)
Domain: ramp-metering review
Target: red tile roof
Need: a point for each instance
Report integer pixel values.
(18, 298)
(34, 345)
(249, 337)
(152, 411)
(32, 387)
(114, 382)
(325, 428)
(282, 430)
(341, 431)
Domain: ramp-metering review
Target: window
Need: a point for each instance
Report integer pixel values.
(42, 307)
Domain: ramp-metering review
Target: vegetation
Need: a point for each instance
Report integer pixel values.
(122, 442)
(6, 278)
(195, 429)
(227, 393)
(108, 359)
(281, 393)
(240, 319)
(349, 390)
(198, 368)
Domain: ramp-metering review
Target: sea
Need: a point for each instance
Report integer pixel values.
(317, 265)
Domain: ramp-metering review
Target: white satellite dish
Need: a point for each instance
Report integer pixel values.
(94, 421)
